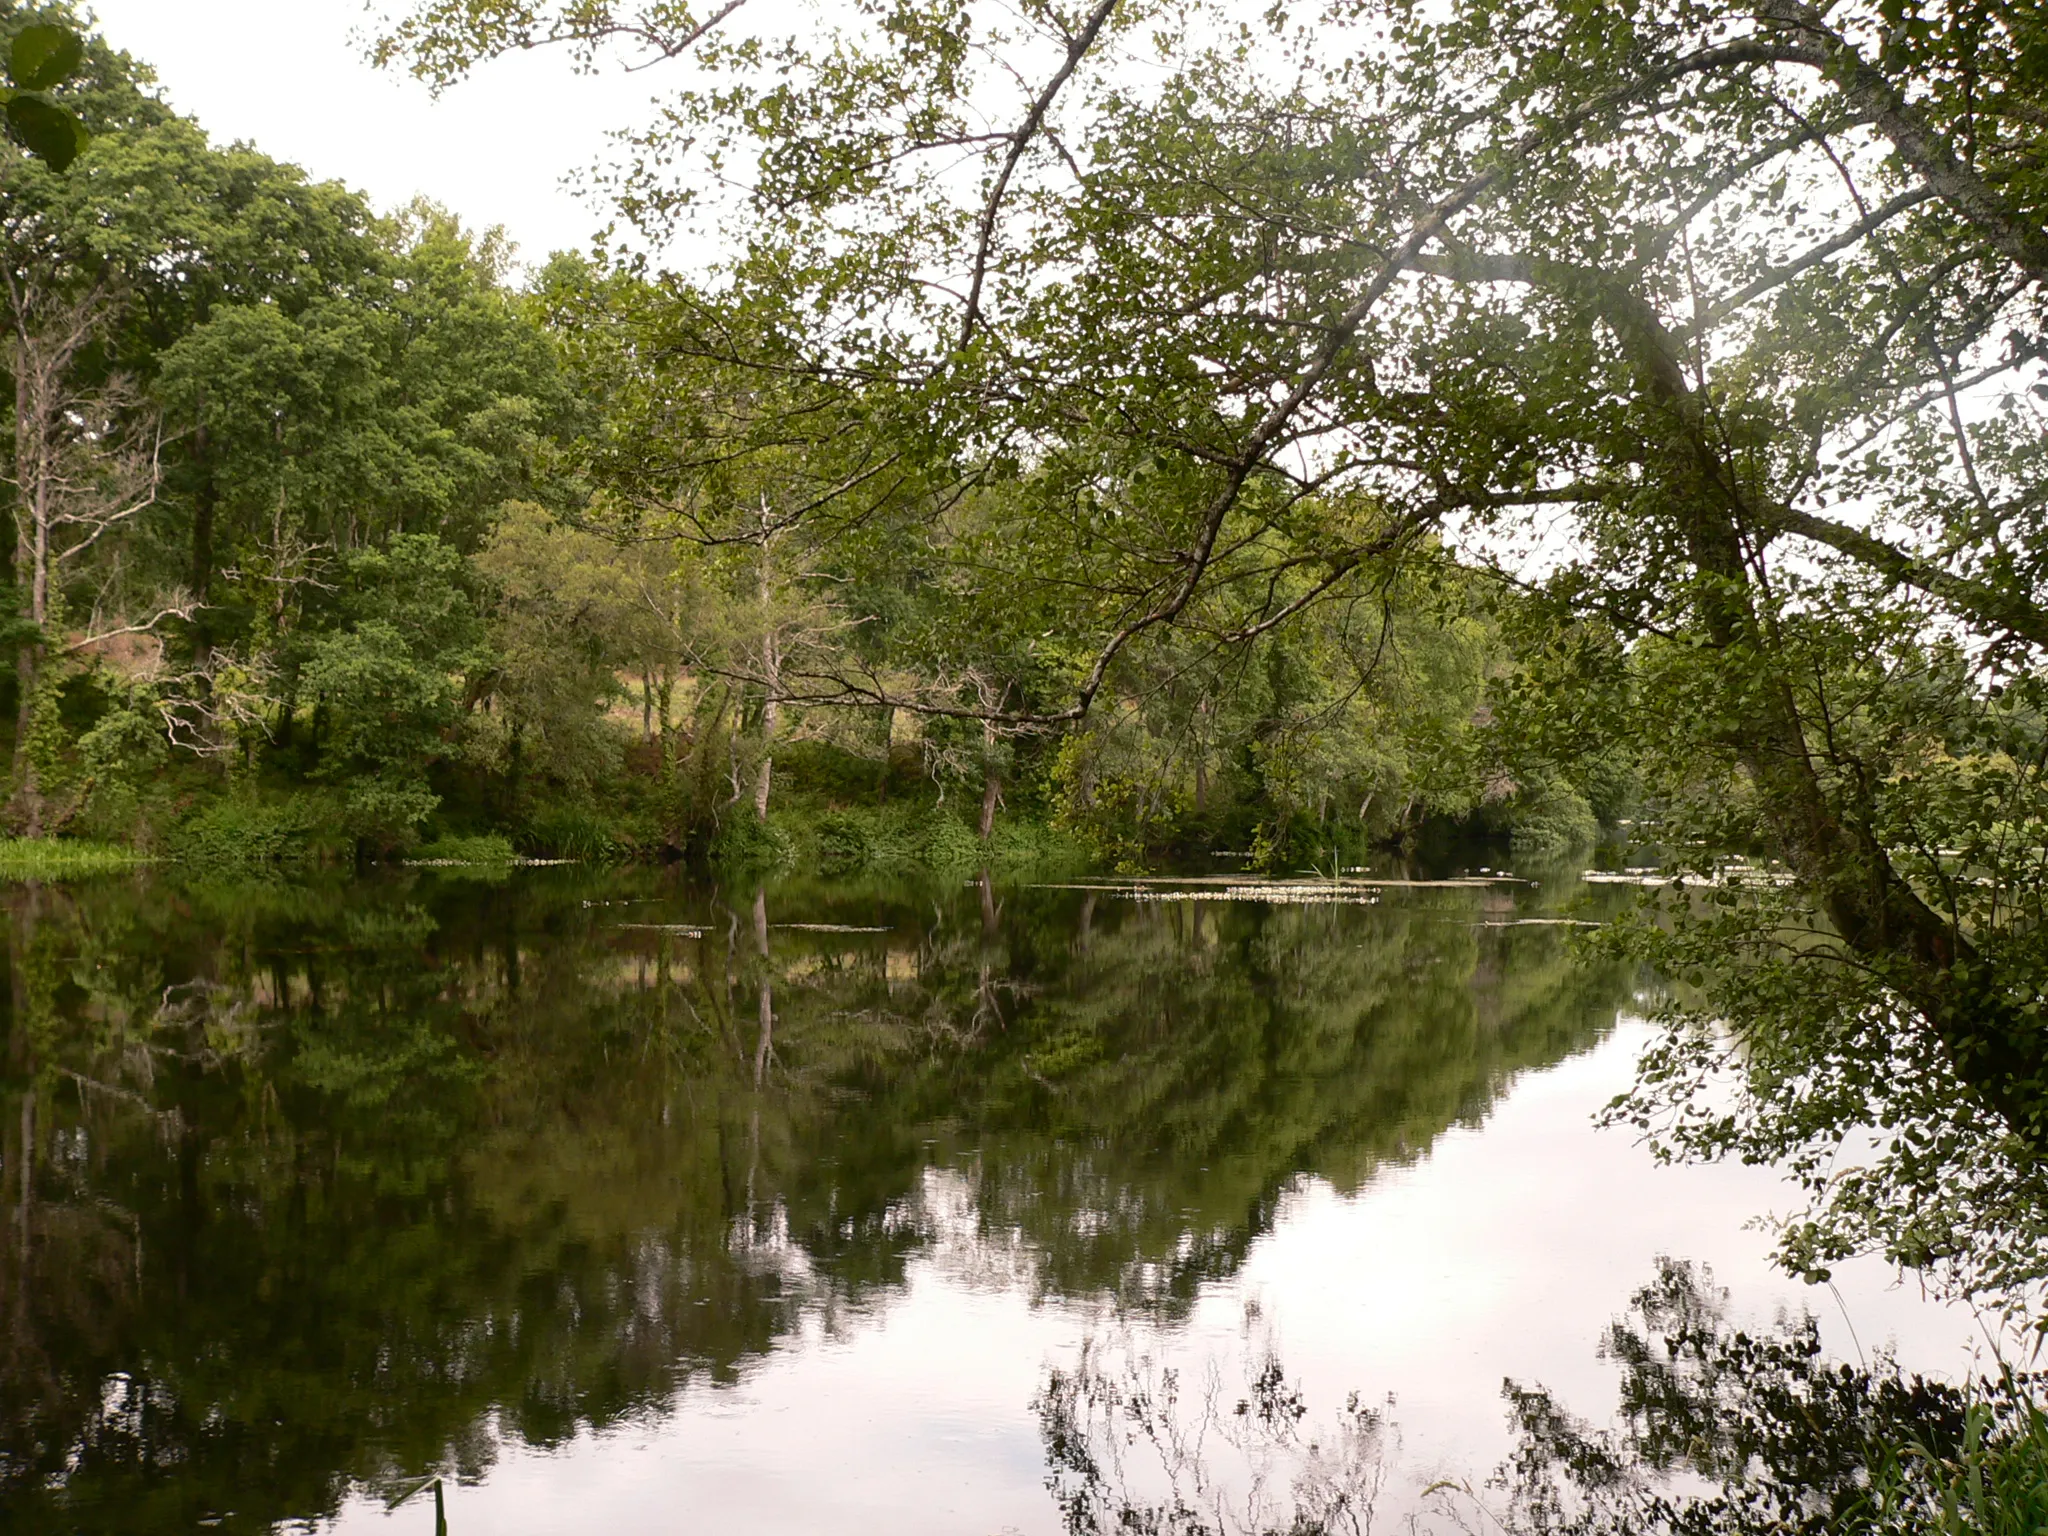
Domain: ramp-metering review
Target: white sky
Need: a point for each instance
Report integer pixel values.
(289, 76)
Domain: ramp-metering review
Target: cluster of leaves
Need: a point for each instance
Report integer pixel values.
(1785, 1439)
(41, 57)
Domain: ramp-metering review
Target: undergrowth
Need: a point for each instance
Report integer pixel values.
(900, 836)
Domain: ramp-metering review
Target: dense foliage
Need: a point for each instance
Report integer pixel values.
(338, 534)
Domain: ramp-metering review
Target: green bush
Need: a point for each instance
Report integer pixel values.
(845, 841)
(1549, 816)
(384, 811)
(948, 843)
(249, 833)
(743, 843)
(900, 836)
(1995, 1483)
(566, 830)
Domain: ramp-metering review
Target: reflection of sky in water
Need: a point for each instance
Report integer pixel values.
(1502, 1252)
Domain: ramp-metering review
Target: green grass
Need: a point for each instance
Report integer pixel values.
(1994, 1484)
(49, 858)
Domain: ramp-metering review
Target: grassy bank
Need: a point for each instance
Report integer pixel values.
(47, 858)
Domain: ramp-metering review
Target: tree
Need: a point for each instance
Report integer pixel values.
(769, 488)
(1743, 300)
(574, 610)
(389, 683)
(86, 462)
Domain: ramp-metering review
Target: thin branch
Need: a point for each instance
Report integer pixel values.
(1020, 141)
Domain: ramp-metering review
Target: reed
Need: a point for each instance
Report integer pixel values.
(45, 858)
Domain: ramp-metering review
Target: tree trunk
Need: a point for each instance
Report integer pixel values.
(32, 551)
(205, 502)
(991, 796)
(664, 700)
(32, 471)
(771, 718)
(1996, 1047)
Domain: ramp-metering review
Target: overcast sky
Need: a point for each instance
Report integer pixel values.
(288, 76)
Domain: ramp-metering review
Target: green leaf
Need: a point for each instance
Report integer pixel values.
(44, 55)
(46, 130)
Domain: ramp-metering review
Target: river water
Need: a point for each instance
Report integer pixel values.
(625, 1203)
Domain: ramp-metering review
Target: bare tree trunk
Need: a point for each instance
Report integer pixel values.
(771, 719)
(203, 507)
(991, 795)
(664, 700)
(32, 427)
(34, 546)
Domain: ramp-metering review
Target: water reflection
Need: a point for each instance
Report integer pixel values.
(309, 1189)
(1721, 1431)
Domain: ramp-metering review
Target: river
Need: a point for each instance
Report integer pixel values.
(628, 1203)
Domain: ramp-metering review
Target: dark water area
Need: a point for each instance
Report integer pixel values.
(618, 1200)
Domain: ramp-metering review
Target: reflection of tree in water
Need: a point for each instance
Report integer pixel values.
(313, 1186)
(1771, 1436)
(1197, 1058)
(1721, 1432)
(1131, 1447)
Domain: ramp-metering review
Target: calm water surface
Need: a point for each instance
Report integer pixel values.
(633, 1204)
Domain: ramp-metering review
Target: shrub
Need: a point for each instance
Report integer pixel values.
(1550, 817)
(247, 833)
(566, 830)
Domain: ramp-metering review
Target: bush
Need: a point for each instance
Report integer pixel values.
(385, 811)
(1993, 1483)
(900, 836)
(743, 843)
(246, 833)
(845, 842)
(1551, 817)
(566, 830)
